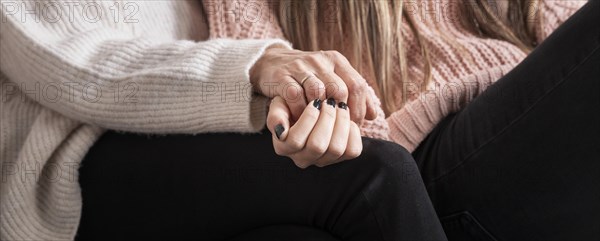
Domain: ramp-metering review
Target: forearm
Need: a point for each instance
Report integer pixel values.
(121, 80)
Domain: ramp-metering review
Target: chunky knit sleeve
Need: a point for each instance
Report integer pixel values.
(410, 125)
(552, 13)
(142, 76)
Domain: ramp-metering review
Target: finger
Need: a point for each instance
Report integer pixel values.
(371, 109)
(358, 107)
(335, 87)
(355, 146)
(298, 133)
(339, 138)
(314, 87)
(293, 94)
(319, 138)
(300, 161)
(356, 85)
(278, 118)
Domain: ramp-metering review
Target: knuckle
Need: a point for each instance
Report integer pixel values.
(336, 150)
(340, 92)
(296, 64)
(295, 143)
(354, 151)
(316, 88)
(280, 73)
(357, 87)
(314, 57)
(316, 147)
(293, 92)
(318, 84)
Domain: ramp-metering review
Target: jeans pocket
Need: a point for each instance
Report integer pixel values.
(463, 226)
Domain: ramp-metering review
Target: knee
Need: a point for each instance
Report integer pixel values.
(391, 163)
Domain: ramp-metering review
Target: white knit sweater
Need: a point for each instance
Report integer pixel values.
(69, 70)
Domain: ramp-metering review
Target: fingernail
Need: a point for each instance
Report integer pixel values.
(279, 129)
(343, 105)
(317, 104)
(331, 102)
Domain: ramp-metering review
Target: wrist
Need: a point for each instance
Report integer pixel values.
(261, 63)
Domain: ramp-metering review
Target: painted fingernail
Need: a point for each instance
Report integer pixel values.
(331, 102)
(279, 129)
(317, 104)
(343, 105)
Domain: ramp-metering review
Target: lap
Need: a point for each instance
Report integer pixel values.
(216, 186)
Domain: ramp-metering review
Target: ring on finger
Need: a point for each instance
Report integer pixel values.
(306, 78)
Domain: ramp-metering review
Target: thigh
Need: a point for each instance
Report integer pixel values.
(523, 157)
(215, 187)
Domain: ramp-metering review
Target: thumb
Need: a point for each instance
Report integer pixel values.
(278, 119)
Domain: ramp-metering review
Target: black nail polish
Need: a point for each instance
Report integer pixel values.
(317, 104)
(331, 102)
(343, 105)
(279, 129)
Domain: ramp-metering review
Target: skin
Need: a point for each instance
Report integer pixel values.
(280, 72)
(312, 136)
(319, 137)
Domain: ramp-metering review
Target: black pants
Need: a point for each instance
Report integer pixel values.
(228, 186)
(520, 162)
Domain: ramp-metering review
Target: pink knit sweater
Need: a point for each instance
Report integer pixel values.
(458, 76)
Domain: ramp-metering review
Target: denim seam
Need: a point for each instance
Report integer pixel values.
(517, 119)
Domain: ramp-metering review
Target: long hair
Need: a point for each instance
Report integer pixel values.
(374, 30)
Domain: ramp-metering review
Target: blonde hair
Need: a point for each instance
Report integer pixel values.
(374, 30)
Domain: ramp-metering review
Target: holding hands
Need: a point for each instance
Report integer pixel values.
(299, 77)
(308, 117)
(323, 135)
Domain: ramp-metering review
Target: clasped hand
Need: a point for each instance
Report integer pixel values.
(318, 99)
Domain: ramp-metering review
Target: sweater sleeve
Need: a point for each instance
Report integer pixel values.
(552, 13)
(140, 77)
(410, 125)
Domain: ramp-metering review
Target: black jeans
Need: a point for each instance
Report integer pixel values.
(229, 186)
(522, 161)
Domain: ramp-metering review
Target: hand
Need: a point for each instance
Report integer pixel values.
(298, 76)
(323, 135)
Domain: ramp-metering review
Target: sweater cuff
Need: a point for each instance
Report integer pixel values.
(241, 110)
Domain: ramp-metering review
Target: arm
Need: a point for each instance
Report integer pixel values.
(411, 124)
(133, 77)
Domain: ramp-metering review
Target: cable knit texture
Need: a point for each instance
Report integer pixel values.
(141, 68)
